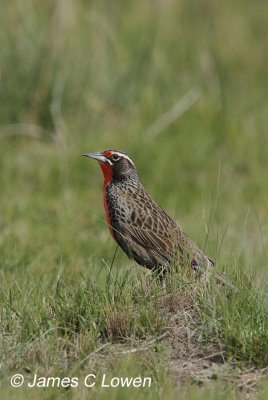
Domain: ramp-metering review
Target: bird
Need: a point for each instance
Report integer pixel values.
(141, 227)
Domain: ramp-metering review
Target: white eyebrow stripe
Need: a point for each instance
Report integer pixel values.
(123, 155)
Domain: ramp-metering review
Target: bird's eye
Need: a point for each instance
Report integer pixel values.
(115, 157)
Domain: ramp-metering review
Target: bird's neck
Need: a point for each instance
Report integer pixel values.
(110, 175)
(107, 173)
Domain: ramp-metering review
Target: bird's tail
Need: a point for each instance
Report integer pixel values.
(222, 280)
(211, 271)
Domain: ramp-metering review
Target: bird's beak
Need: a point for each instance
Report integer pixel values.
(97, 156)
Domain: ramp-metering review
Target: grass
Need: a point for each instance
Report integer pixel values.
(83, 76)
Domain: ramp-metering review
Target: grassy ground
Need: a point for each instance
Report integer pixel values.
(181, 86)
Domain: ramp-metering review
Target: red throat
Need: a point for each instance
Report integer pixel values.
(108, 174)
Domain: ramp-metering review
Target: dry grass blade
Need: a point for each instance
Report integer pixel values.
(183, 105)
(143, 348)
(81, 362)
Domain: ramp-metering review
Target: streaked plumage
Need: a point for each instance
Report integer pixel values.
(139, 225)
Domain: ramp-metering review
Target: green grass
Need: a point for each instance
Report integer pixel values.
(84, 76)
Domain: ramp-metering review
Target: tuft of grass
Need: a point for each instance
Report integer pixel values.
(105, 317)
(239, 321)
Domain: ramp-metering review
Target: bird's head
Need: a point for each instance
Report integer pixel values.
(115, 164)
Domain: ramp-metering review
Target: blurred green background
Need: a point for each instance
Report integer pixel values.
(79, 76)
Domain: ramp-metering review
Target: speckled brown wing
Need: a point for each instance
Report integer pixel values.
(158, 247)
(145, 232)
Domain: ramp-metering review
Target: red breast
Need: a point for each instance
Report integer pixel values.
(108, 174)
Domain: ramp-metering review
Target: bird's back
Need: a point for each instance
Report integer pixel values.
(145, 231)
